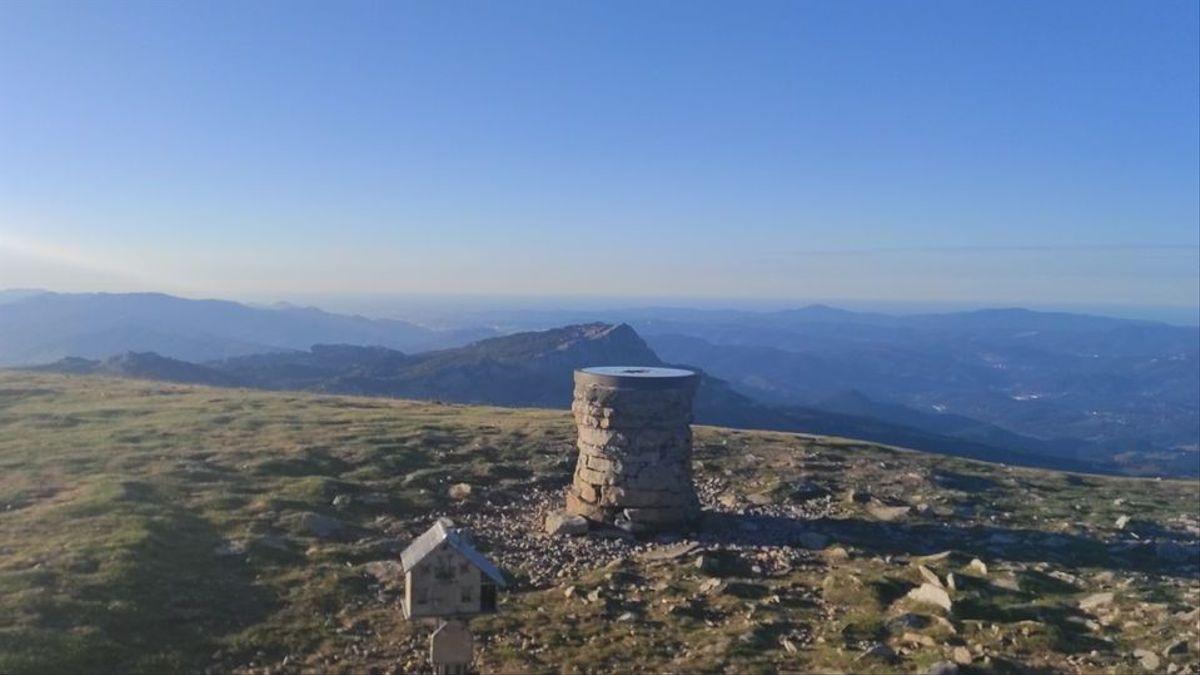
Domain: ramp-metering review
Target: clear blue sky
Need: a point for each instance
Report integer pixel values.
(1000, 152)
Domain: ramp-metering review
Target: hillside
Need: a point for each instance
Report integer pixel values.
(159, 527)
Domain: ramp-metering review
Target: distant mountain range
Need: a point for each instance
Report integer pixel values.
(36, 327)
(1048, 389)
(535, 369)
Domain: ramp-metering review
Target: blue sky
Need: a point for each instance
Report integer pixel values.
(994, 152)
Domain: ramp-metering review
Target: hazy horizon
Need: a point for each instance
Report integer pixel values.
(1030, 155)
(460, 308)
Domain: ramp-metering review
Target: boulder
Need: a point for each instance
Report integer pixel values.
(961, 655)
(931, 595)
(977, 567)
(561, 523)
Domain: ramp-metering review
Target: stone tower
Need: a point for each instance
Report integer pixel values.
(635, 447)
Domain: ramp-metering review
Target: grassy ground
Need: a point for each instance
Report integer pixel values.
(152, 528)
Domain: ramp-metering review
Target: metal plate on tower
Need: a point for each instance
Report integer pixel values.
(636, 377)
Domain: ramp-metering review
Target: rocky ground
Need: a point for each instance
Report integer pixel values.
(155, 527)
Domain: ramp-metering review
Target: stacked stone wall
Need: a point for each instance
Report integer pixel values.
(635, 454)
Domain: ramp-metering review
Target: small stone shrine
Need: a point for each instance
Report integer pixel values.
(635, 448)
(446, 578)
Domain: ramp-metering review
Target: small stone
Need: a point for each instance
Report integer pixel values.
(942, 668)
(788, 645)
(917, 639)
(563, 523)
(1007, 583)
(711, 585)
(888, 514)
(1147, 658)
(760, 499)
(951, 583)
(459, 491)
(878, 651)
(977, 567)
(929, 576)
(627, 617)
(595, 596)
(570, 591)
(961, 655)
(1122, 522)
(342, 501)
(931, 595)
(1095, 601)
(836, 554)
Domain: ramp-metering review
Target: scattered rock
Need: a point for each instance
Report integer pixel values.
(1095, 601)
(836, 554)
(929, 576)
(561, 523)
(917, 639)
(760, 498)
(931, 595)
(878, 651)
(942, 668)
(712, 586)
(627, 617)
(1147, 658)
(1009, 583)
(1122, 522)
(961, 655)
(570, 591)
(459, 491)
(977, 567)
(672, 552)
(887, 514)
